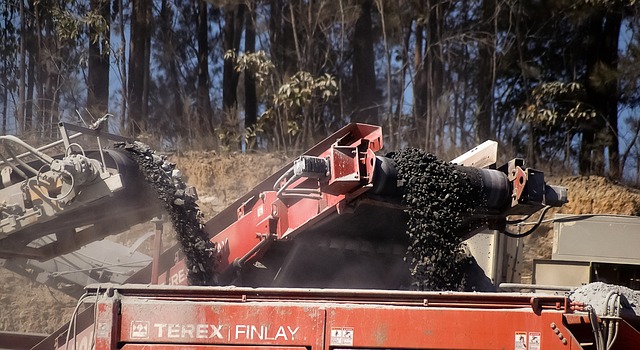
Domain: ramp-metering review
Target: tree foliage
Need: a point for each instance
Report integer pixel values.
(553, 82)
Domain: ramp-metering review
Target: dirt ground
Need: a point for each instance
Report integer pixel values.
(220, 179)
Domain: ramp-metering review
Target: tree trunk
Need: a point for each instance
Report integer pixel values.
(170, 57)
(98, 75)
(31, 84)
(40, 70)
(284, 57)
(396, 139)
(283, 50)
(584, 154)
(611, 34)
(146, 67)
(419, 86)
(20, 115)
(5, 99)
(251, 97)
(602, 93)
(123, 69)
(485, 78)
(138, 65)
(204, 101)
(233, 22)
(364, 75)
(434, 74)
(49, 98)
(4, 108)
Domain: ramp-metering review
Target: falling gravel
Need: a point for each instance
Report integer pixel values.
(438, 197)
(181, 206)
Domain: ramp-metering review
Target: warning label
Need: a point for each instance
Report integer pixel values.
(140, 329)
(534, 340)
(342, 336)
(521, 341)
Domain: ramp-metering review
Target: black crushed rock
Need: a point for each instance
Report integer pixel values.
(438, 197)
(181, 206)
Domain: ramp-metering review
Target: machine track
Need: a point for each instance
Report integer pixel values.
(181, 206)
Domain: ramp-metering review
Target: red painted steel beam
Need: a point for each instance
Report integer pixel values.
(168, 317)
(256, 318)
(349, 296)
(350, 135)
(267, 216)
(261, 216)
(206, 347)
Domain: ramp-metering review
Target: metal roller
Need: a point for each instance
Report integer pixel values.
(502, 193)
(494, 184)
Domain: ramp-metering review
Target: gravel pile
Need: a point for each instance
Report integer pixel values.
(181, 206)
(438, 197)
(596, 294)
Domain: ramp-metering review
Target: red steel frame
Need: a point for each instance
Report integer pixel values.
(226, 318)
(261, 217)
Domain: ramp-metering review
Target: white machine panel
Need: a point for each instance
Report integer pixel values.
(597, 238)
